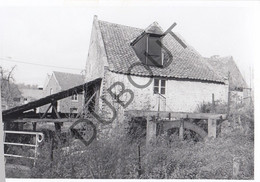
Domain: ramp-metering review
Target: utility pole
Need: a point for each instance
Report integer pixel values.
(2, 161)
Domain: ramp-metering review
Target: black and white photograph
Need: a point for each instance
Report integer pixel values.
(128, 89)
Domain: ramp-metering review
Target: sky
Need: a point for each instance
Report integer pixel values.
(56, 37)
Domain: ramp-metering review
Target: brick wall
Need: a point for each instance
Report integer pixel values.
(65, 104)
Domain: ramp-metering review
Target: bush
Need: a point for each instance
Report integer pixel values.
(116, 155)
(210, 160)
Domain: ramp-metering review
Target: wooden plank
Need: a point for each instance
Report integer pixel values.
(175, 115)
(50, 98)
(47, 120)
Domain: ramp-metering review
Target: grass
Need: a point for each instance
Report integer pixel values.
(116, 156)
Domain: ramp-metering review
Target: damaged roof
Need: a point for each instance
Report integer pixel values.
(187, 63)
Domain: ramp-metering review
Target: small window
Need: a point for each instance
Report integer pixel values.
(159, 86)
(74, 97)
(156, 86)
(163, 82)
(73, 110)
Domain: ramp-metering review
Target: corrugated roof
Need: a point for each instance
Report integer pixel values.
(223, 65)
(186, 64)
(68, 80)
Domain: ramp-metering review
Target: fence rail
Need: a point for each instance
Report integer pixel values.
(38, 139)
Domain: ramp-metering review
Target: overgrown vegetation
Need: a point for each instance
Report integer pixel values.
(116, 155)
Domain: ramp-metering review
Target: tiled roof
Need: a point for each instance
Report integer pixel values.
(154, 28)
(186, 64)
(68, 80)
(223, 65)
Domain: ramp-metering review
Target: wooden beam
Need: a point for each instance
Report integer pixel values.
(85, 105)
(57, 125)
(34, 126)
(54, 106)
(50, 99)
(46, 112)
(175, 115)
(44, 120)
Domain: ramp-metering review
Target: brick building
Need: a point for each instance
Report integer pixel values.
(59, 81)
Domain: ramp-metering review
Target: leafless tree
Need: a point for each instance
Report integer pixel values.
(9, 89)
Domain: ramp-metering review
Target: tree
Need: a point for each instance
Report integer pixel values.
(10, 92)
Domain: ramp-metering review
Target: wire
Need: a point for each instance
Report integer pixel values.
(36, 64)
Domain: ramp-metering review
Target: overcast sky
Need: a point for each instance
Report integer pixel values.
(59, 36)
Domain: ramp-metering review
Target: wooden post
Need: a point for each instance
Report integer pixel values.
(212, 128)
(2, 160)
(97, 94)
(34, 126)
(52, 148)
(139, 162)
(150, 130)
(213, 104)
(181, 130)
(229, 96)
(55, 112)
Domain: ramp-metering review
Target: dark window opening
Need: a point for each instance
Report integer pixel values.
(74, 97)
(154, 57)
(73, 110)
(148, 50)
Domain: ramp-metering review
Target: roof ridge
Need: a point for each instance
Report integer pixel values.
(219, 57)
(154, 28)
(102, 21)
(67, 73)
